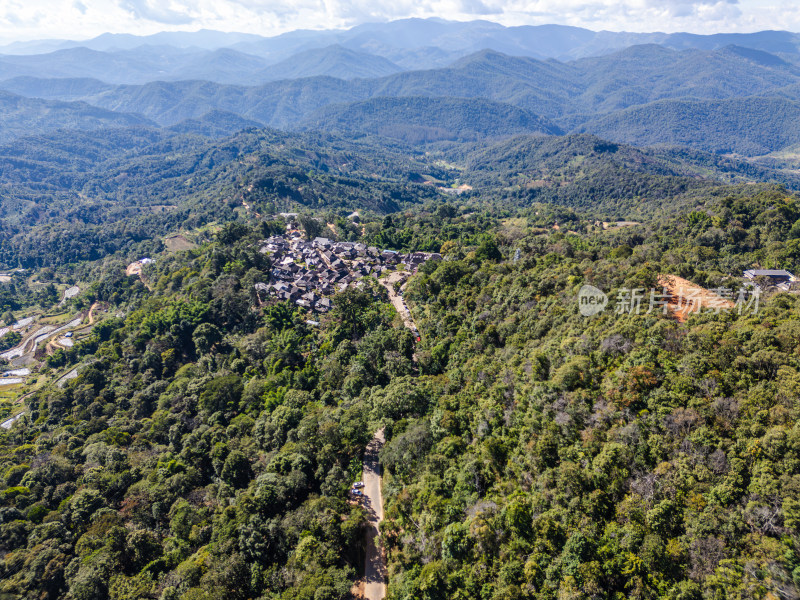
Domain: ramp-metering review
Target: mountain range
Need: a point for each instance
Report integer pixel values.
(407, 44)
(732, 99)
(23, 116)
(402, 41)
(412, 81)
(166, 63)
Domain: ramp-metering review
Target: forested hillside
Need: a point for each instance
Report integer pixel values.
(70, 197)
(333, 61)
(28, 116)
(206, 447)
(746, 126)
(620, 456)
(423, 120)
(606, 179)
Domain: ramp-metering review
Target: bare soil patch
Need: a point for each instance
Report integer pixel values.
(687, 298)
(178, 243)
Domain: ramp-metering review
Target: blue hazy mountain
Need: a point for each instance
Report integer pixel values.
(421, 119)
(168, 63)
(705, 92)
(20, 116)
(204, 38)
(402, 39)
(140, 65)
(377, 49)
(332, 61)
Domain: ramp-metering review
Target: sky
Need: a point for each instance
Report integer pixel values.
(82, 19)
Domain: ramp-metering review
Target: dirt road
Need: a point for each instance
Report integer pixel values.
(397, 300)
(375, 562)
(91, 312)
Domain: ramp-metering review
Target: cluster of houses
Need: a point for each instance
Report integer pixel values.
(309, 272)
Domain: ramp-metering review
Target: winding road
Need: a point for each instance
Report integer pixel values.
(375, 561)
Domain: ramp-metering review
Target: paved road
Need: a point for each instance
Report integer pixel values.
(375, 565)
(66, 377)
(7, 424)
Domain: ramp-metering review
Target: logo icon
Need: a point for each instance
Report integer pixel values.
(591, 300)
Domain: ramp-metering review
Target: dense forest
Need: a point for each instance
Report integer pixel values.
(206, 447)
(745, 126)
(74, 196)
(620, 456)
(419, 120)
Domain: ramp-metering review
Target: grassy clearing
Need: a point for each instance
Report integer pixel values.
(56, 318)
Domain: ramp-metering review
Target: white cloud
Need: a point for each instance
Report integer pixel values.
(170, 14)
(36, 19)
(702, 10)
(700, 16)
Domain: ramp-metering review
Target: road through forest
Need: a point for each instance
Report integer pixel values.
(375, 562)
(397, 300)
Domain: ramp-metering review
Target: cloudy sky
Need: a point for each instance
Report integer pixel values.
(77, 19)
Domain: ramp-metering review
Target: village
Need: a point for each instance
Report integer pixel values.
(307, 273)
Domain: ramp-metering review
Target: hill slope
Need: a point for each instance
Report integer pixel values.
(137, 65)
(20, 116)
(215, 123)
(333, 61)
(71, 196)
(749, 126)
(419, 119)
(592, 174)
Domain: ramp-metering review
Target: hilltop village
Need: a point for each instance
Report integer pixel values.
(307, 272)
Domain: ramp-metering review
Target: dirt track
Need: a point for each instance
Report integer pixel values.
(91, 312)
(397, 300)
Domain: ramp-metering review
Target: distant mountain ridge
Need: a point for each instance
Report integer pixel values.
(406, 44)
(20, 116)
(569, 93)
(137, 66)
(333, 61)
(394, 38)
(646, 94)
(636, 75)
(203, 38)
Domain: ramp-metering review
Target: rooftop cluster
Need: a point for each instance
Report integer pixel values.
(308, 272)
